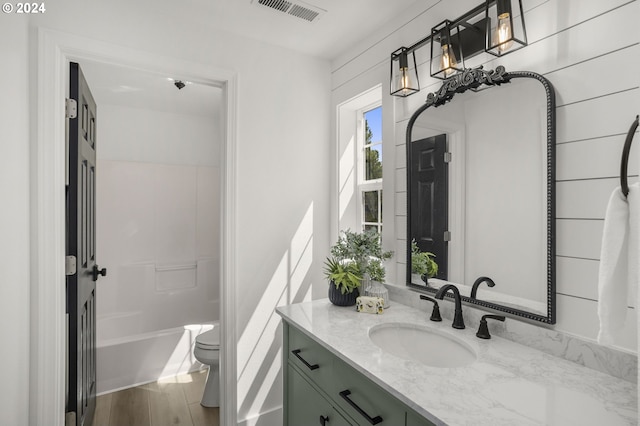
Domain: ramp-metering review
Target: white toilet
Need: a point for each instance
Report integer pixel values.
(207, 351)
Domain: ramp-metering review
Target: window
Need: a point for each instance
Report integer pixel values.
(359, 162)
(370, 166)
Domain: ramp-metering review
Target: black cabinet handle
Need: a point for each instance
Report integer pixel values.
(296, 352)
(373, 420)
(323, 420)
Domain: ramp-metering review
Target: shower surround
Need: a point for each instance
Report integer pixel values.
(158, 235)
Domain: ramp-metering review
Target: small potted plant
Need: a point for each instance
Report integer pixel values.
(376, 270)
(361, 247)
(358, 253)
(423, 266)
(344, 279)
(377, 273)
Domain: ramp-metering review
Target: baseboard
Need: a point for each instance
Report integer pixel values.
(268, 418)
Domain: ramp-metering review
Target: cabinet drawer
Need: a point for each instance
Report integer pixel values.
(318, 382)
(363, 400)
(306, 407)
(312, 359)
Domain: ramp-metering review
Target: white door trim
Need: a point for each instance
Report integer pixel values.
(47, 328)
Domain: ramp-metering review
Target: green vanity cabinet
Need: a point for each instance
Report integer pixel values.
(319, 382)
(363, 399)
(310, 357)
(306, 406)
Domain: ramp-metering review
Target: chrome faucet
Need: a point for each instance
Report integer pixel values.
(458, 321)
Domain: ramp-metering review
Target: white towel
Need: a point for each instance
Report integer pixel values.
(618, 275)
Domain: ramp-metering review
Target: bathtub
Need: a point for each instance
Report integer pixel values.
(128, 361)
(147, 319)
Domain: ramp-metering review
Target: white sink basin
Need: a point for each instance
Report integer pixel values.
(422, 344)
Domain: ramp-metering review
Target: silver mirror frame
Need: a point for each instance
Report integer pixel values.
(472, 79)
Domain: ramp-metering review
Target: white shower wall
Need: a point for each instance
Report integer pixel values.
(158, 233)
(158, 221)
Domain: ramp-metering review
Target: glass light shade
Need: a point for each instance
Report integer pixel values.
(404, 73)
(448, 60)
(446, 52)
(505, 27)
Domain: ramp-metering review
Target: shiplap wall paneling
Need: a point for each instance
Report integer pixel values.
(593, 114)
(597, 98)
(579, 238)
(577, 277)
(599, 117)
(585, 198)
(596, 158)
(580, 317)
(576, 23)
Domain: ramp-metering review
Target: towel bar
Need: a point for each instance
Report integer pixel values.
(625, 156)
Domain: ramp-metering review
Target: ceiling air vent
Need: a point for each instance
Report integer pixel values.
(296, 9)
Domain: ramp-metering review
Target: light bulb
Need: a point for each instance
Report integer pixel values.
(503, 36)
(406, 80)
(448, 60)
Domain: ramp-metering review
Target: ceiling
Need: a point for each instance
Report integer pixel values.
(341, 24)
(122, 86)
(344, 23)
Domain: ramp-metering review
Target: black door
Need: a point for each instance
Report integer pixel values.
(429, 198)
(81, 244)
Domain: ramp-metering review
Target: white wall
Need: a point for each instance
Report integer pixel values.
(14, 223)
(282, 174)
(595, 106)
(151, 136)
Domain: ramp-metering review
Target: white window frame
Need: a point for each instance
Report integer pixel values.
(362, 184)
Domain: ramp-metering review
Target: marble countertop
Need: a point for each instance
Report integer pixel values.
(508, 384)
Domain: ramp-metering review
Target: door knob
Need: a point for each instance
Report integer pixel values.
(97, 272)
(324, 420)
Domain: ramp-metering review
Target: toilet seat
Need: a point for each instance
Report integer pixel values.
(209, 339)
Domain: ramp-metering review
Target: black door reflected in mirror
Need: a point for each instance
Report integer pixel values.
(482, 197)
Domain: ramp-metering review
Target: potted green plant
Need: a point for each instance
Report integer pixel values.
(377, 273)
(361, 247)
(422, 264)
(360, 251)
(344, 279)
(376, 270)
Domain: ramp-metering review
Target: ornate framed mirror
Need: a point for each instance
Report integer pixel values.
(481, 190)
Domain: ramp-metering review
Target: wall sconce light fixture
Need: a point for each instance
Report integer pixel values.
(505, 32)
(404, 73)
(446, 51)
(495, 26)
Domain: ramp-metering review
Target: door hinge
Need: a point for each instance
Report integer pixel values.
(447, 157)
(70, 108)
(70, 265)
(447, 235)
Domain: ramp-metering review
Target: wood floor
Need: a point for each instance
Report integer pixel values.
(173, 401)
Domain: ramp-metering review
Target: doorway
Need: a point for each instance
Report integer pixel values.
(157, 221)
(55, 51)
